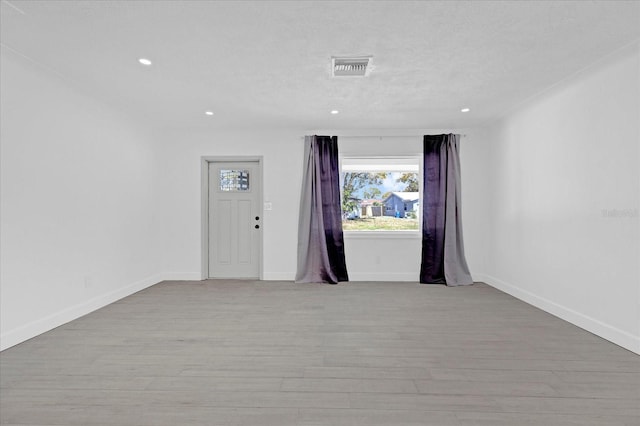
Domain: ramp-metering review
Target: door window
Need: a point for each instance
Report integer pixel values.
(234, 180)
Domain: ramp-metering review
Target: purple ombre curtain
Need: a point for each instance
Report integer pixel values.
(320, 238)
(443, 260)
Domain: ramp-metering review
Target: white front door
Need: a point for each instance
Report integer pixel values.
(235, 219)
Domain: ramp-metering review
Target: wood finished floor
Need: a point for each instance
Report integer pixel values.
(276, 353)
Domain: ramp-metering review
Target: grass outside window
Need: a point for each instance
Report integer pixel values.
(382, 223)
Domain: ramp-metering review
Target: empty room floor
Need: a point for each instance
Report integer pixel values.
(279, 353)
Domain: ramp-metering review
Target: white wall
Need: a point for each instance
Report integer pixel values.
(557, 165)
(78, 203)
(283, 152)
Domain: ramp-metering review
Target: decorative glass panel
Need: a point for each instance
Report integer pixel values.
(234, 180)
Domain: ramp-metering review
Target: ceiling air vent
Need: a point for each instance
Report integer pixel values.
(351, 67)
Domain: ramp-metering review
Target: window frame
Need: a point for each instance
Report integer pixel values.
(393, 164)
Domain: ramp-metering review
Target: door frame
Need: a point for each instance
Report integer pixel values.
(205, 161)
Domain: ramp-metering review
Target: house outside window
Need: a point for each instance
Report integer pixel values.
(402, 204)
(380, 194)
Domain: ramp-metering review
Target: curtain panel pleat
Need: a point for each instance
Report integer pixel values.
(443, 259)
(320, 238)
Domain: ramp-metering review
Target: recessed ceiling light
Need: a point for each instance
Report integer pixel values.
(334, 112)
(144, 61)
(209, 112)
(465, 110)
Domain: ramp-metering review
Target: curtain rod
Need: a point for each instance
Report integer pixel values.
(383, 136)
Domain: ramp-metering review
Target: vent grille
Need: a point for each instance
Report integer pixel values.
(351, 67)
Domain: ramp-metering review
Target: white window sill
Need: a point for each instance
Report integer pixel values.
(386, 235)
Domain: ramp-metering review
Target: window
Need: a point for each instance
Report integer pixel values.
(234, 180)
(380, 194)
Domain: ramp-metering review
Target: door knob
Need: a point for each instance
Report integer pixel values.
(257, 226)
(257, 217)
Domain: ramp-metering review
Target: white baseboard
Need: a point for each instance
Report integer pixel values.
(592, 325)
(42, 325)
(196, 276)
(279, 276)
(384, 276)
(353, 276)
(181, 276)
(290, 276)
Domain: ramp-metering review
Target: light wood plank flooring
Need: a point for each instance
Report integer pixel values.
(277, 353)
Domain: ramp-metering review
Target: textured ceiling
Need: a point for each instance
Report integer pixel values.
(267, 64)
